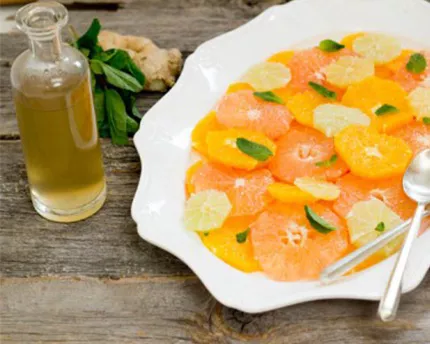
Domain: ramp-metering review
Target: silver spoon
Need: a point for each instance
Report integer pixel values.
(339, 268)
(416, 183)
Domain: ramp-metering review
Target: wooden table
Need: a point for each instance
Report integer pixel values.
(97, 281)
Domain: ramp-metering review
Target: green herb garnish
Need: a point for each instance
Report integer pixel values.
(269, 97)
(253, 149)
(380, 227)
(206, 234)
(329, 45)
(325, 92)
(426, 120)
(417, 63)
(327, 163)
(115, 80)
(317, 222)
(386, 109)
(242, 236)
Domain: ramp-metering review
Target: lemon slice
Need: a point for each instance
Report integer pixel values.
(364, 220)
(348, 70)
(318, 188)
(377, 47)
(206, 210)
(330, 119)
(267, 76)
(420, 101)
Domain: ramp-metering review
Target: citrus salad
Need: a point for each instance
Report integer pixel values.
(301, 161)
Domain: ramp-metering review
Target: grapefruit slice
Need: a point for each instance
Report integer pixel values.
(245, 111)
(288, 248)
(415, 134)
(390, 191)
(299, 153)
(247, 191)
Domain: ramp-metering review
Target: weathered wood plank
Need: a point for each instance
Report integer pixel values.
(106, 244)
(160, 310)
(183, 24)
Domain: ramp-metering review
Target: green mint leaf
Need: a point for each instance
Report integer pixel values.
(242, 236)
(85, 52)
(117, 117)
(119, 59)
(426, 120)
(386, 109)
(99, 105)
(120, 79)
(93, 80)
(318, 222)
(380, 227)
(417, 63)
(269, 97)
(90, 38)
(325, 92)
(330, 46)
(206, 234)
(132, 126)
(253, 149)
(134, 110)
(327, 163)
(104, 129)
(96, 67)
(136, 72)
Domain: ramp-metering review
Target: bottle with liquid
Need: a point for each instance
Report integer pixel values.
(56, 118)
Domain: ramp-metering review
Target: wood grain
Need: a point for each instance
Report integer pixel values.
(105, 245)
(180, 310)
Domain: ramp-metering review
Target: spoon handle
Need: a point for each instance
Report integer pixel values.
(345, 264)
(391, 297)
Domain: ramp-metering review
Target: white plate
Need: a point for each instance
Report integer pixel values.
(163, 143)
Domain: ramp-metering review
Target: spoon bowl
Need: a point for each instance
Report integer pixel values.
(416, 181)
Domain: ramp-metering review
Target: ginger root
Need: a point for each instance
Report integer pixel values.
(160, 66)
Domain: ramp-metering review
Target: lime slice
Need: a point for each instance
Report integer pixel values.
(365, 222)
(377, 47)
(348, 70)
(318, 188)
(331, 118)
(420, 101)
(206, 210)
(267, 76)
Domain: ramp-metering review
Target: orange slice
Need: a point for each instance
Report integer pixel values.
(222, 147)
(290, 194)
(282, 57)
(223, 243)
(371, 93)
(200, 131)
(302, 106)
(370, 154)
(239, 86)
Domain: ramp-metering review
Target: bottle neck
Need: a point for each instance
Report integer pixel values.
(46, 48)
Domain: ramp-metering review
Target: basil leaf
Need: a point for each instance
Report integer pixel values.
(330, 46)
(386, 109)
(417, 63)
(132, 125)
(380, 227)
(242, 236)
(269, 97)
(120, 79)
(317, 222)
(90, 38)
(327, 163)
(426, 120)
(253, 149)
(325, 92)
(96, 67)
(117, 117)
(99, 105)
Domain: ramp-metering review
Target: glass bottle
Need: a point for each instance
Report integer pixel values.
(56, 118)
